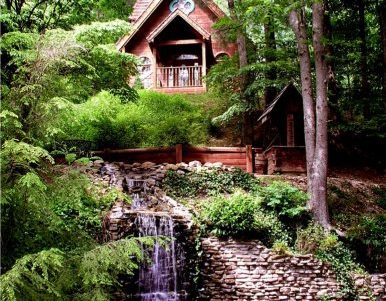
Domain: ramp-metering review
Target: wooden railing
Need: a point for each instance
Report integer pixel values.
(170, 77)
(246, 158)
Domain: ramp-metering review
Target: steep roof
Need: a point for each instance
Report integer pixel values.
(143, 9)
(138, 8)
(150, 38)
(263, 118)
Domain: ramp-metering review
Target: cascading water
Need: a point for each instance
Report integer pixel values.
(156, 281)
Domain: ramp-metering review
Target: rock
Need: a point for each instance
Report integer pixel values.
(98, 162)
(217, 165)
(183, 166)
(147, 165)
(150, 182)
(195, 164)
(171, 167)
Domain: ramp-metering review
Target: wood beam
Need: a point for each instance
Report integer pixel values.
(154, 68)
(180, 42)
(203, 46)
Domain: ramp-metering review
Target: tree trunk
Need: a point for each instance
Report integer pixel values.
(318, 202)
(298, 24)
(270, 57)
(243, 61)
(364, 94)
(334, 112)
(382, 24)
(315, 117)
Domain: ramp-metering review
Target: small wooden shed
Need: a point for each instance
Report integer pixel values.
(280, 132)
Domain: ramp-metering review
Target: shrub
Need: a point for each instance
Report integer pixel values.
(286, 200)
(231, 216)
(238, 215)
(371, 232)
(208, 182)
(155, 119)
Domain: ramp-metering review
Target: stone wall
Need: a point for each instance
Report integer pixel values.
(246, 270)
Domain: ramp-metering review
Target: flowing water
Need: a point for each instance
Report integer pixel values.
(158, 280)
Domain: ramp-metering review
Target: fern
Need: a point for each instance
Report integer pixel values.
(100, 268)
(32, 277)
(20, 157)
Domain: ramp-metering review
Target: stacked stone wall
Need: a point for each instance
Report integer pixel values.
(246, 270)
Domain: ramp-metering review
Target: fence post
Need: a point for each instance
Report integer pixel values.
(178, 153)
(249, 158)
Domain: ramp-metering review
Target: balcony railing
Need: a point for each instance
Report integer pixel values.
(176, 77)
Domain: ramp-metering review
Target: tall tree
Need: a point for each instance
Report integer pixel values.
(315, 109)
(270, 42)
(243, 62)
(382, 24)
(364, 90)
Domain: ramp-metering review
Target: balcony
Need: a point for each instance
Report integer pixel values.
(182, 79)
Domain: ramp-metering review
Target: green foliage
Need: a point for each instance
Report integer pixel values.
(327, 247)
(284, 199)
(153, 120)
(238, 215)
(50, 72)
(32, 277)
(90, 274)
(10, 126)
(78, 206)
(71, 157)
(207, 182)
(230, 216)
(371, 231)
(39, 16)
(101, 267)
(19, 158)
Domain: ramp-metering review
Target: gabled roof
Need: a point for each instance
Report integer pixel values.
(150, 38)
(138, 8)
(151, 7)
(263, 118)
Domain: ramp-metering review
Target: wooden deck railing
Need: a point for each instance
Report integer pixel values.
(187, 76)
(277, 159)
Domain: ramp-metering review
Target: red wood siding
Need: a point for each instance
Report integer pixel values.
(203, 16)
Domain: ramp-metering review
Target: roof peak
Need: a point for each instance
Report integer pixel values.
(141, 6)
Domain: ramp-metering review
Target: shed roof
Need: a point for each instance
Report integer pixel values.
(263, 118)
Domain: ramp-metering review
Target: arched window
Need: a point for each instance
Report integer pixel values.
(145, 72)
(221, 56)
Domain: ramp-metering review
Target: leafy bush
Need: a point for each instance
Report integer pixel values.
(238, 215)
(230, 216)
(100, 268)
(284, 199)
(155, 119)
(207, 182)
(371, 232)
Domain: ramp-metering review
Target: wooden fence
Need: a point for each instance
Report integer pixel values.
(247, 158)
(277, 159)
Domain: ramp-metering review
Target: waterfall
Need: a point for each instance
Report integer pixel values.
(162, 278)
(158, 281)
